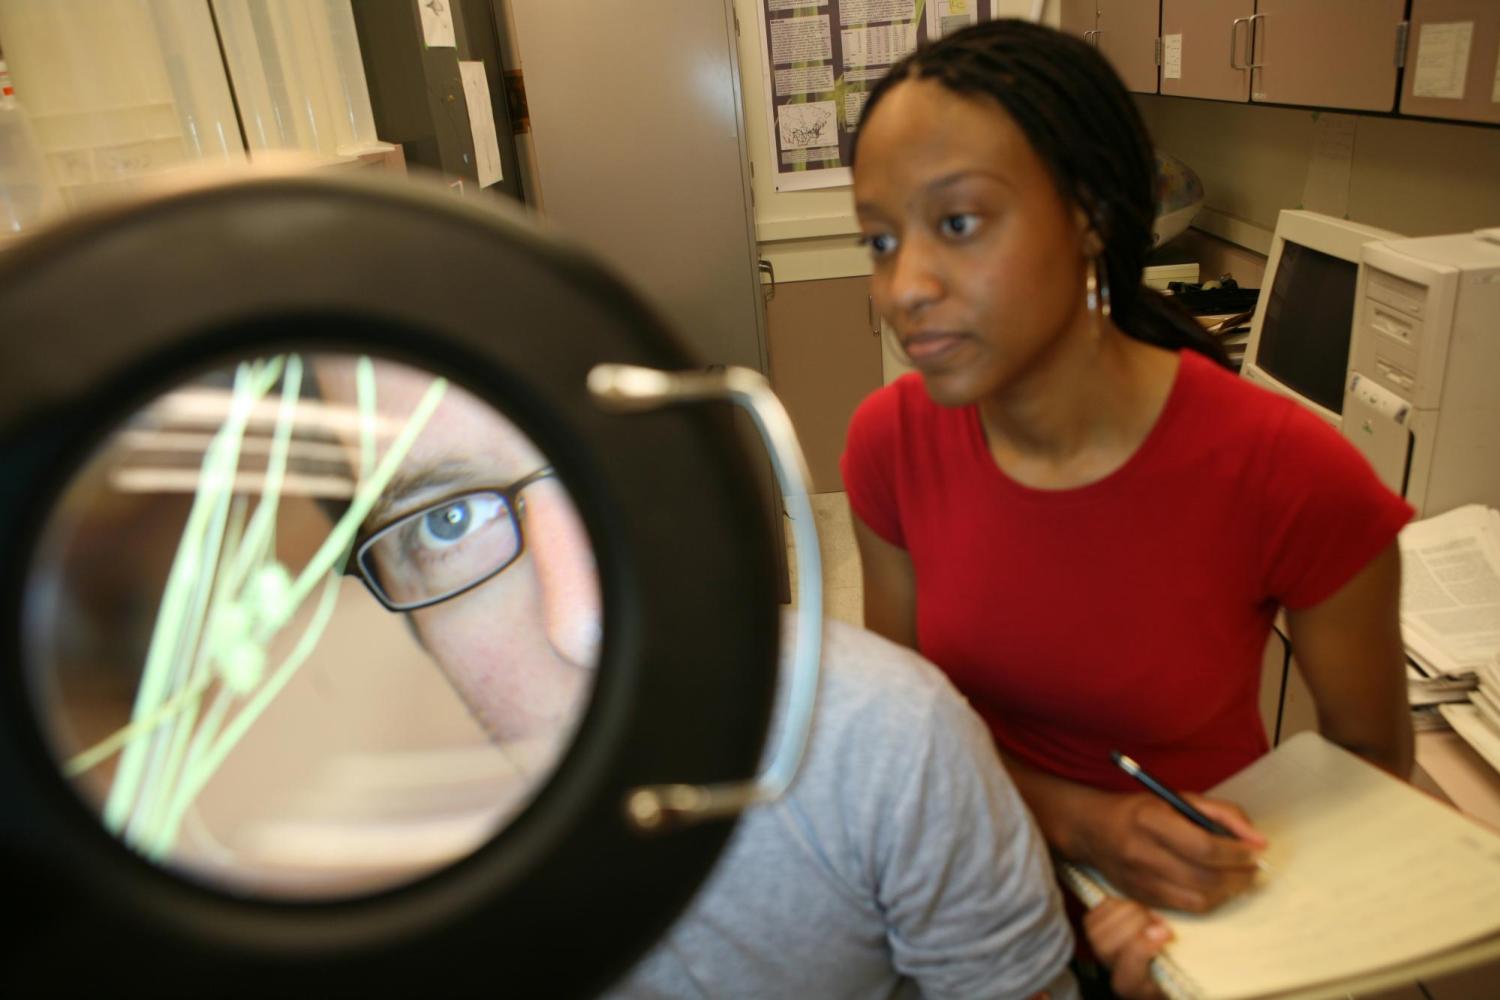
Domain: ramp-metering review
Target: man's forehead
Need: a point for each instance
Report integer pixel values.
(464, 433)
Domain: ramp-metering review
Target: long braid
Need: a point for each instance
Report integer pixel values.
(1084, 126)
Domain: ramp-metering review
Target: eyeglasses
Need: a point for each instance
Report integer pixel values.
(446, 548)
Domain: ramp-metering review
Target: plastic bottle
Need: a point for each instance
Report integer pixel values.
(27, 195)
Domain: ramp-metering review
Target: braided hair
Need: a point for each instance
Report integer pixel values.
(1082, 123)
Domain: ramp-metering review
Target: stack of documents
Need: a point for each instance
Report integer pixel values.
(1450, 614)
(1450, 590)
(1478, 722)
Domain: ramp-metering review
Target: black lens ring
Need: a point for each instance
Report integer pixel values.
(108, 310)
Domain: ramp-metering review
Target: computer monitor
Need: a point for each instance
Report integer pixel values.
(1299, 338)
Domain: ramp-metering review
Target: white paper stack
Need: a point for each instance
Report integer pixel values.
(1450, 590)
(1478, 722)
(1450, 616)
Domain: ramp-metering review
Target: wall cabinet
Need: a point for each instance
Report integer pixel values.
(1452, 49)
(1319, 53)
(824, 346)
(1327, 53)
(1336, 54)
(1124, 31)
(1206, 48)
(1127, 36)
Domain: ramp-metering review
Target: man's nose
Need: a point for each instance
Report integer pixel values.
(564, 560)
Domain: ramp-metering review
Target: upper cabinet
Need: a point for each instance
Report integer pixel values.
(1127, 35)
(1336, 54)
(1327, 53)
(1126, 32)
(1451, 60)
(1206, 48)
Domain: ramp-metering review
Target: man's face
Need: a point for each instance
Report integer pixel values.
(521, 647)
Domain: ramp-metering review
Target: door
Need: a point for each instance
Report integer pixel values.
(1327, 53)
(1205, 48)
(640, 154)
(825, 359)
(1451, 60)
(1127, 35)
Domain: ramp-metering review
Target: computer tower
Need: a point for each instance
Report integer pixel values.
(1422, 399)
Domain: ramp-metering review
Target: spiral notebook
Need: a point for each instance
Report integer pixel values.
(1373, 884)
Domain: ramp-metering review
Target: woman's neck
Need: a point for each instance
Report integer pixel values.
(1081, 412)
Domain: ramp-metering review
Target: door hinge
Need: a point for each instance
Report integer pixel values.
(1158, 50)
(1401, 32)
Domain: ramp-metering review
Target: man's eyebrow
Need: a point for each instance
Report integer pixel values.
(413, 482)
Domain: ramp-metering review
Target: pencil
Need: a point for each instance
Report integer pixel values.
(1176, 801)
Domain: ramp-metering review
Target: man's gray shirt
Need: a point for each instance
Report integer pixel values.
(901, 863)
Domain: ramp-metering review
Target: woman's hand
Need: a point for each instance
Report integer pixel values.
(1153, 854)
(1141, 844)
(1126, 936)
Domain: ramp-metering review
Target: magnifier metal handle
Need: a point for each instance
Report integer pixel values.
(627, 388)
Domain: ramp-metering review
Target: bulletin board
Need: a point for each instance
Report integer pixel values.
(820, 59)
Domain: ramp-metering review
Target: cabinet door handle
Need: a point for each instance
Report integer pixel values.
(1250, 62)
(766, 267)
(1234, 29)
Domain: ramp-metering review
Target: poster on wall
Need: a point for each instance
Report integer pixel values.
(820, 59)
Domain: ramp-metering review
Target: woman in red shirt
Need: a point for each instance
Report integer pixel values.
(1073, 507)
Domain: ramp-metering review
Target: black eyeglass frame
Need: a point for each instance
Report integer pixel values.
(514, 504)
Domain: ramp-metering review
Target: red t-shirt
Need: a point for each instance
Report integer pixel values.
(1130, 613)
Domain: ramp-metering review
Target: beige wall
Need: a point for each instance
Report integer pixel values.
(1414, 177)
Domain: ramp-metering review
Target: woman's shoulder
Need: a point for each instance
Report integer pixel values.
(1218, 401)
(902, 395)
(902, 410)
(1288, 423)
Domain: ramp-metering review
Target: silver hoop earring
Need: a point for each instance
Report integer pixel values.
(1096, 289)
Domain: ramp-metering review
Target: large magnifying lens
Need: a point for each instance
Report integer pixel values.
(387, 601)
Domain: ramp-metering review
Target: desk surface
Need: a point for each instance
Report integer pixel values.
(1462, 776)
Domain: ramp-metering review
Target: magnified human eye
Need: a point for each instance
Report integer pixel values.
(451, 544)
(444, 527)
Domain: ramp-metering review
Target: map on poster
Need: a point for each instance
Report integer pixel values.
(820, 60)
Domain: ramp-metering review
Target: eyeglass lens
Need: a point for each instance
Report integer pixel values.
(445, 548)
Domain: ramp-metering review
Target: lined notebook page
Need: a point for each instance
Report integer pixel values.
(1367, 873)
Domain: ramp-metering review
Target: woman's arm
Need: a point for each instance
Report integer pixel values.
(1350, 653)
(890, 587)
